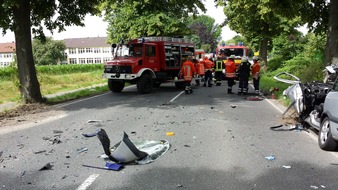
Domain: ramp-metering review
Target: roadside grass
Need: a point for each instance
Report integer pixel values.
(77, 94)
(55, 83)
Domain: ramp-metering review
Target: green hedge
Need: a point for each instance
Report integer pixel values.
(7, 73)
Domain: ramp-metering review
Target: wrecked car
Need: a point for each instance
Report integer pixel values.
(316, 104)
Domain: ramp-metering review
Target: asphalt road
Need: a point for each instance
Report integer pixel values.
(220, 142)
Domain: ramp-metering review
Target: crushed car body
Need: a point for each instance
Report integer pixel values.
(316, 104)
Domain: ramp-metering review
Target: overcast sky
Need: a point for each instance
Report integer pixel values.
(96, 27)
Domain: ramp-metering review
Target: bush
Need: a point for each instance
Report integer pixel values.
(7, 73)
(66, 69)
(275, 63)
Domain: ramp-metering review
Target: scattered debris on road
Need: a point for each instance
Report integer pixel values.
(254, 98)
(271, 157)
(170, 133)
(286, 167)
(127, 151)
(48, 166)
(83, 149)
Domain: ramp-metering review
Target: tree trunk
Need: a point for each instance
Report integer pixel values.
(263, 50)
(331, 48)
(29, 84)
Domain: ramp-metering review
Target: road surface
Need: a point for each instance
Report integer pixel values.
(221, 141)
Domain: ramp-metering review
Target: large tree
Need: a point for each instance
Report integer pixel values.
(131, 19)
(260, 21)
(25, 17)
(205, 30)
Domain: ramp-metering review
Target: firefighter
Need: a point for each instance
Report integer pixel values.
(219, 66)
(187, 72)
(230, 72)
(255, 71)
(199, 70)
(208, 65)
(244, 74)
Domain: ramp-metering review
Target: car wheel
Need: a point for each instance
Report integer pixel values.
(325, 140)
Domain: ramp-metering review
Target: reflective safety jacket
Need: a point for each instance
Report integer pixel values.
(230, 69)
(255, 69)
(219, 65)
(208, 65)
(188, 70)
(199, 68)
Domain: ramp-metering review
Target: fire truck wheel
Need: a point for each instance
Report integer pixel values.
(115, 86)
(145, 84)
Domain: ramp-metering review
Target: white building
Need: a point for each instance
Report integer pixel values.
(88, 50)
(7, 53)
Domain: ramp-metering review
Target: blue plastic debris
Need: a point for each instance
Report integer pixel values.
(113, 166)
(271, 157)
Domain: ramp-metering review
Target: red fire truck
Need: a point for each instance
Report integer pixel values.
(238, 50)
(147, 62)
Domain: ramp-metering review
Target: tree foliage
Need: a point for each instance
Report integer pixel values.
(48, 52)
(260, 21)
(24, 17)
(131, 19)
(206, 32)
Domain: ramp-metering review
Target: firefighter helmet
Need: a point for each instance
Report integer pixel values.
(244, 59)
(232, 57)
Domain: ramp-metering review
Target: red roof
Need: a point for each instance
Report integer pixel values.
(7, 47)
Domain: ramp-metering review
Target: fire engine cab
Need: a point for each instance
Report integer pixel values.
(238, 50)
(147, 62)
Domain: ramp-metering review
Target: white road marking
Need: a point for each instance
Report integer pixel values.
(176, 96)
(77, 101)
(88, 182)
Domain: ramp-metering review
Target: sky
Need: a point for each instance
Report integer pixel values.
(95, 26)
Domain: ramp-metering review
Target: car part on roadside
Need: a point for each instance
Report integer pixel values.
(316, 104)
(128, 151)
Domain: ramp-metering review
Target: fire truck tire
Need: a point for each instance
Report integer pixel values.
(145, 84)
(115, 86)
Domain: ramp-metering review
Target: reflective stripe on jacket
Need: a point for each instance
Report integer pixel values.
(230, 69)
(200, 68)
(188, 70)
(219, 65)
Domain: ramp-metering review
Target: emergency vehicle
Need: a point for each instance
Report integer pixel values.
(238, 50)
(147, 62)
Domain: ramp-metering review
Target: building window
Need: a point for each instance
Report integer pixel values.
(105, 59)
(90, 60)
(97, 50)
(106, 50)
(97, 60)
(7, 55)
(89, 50)
(82, 60)
(0, 55)
(82, 50)
(72, 61)
(72, 51)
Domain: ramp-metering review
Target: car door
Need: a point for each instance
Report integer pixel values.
(331, 103)
(151, 57)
